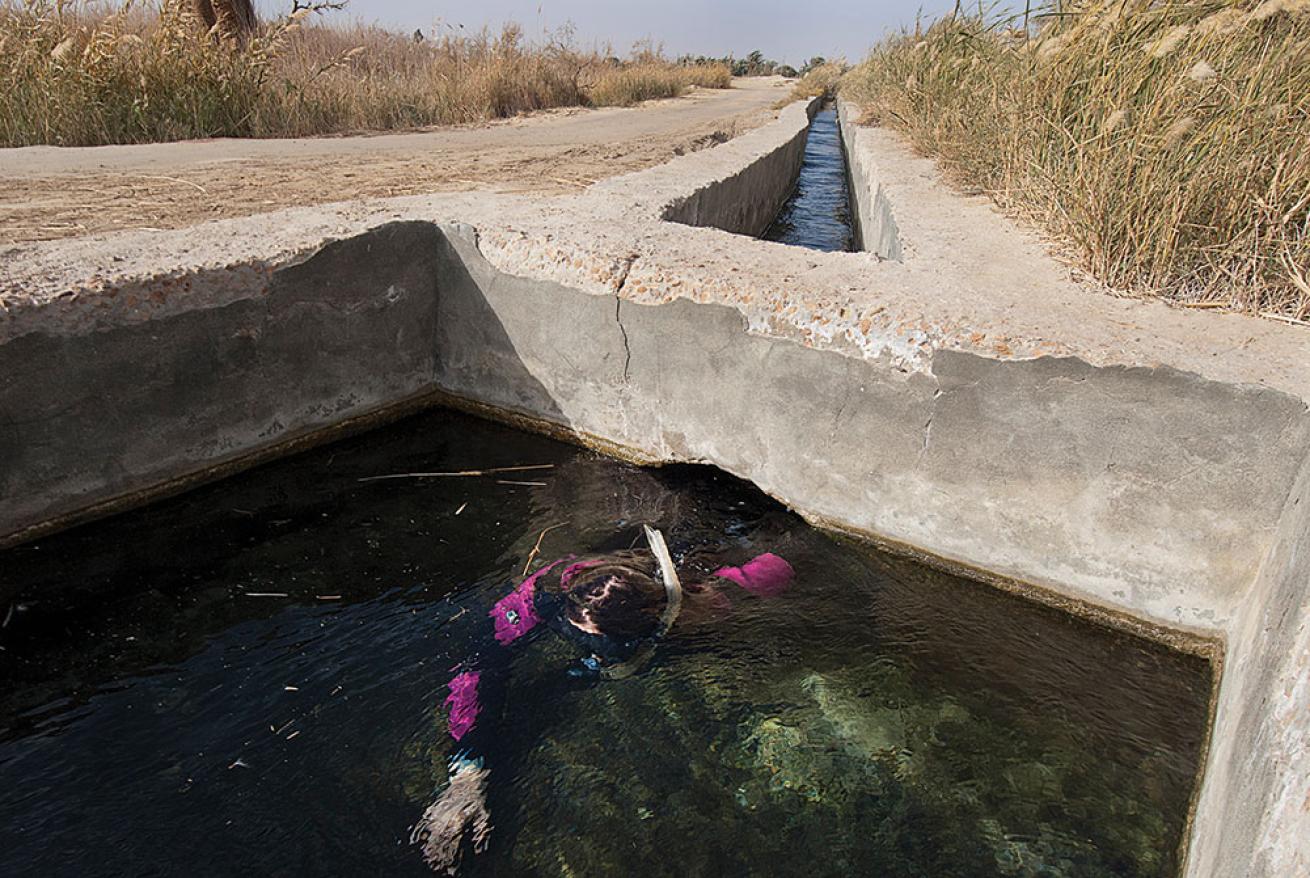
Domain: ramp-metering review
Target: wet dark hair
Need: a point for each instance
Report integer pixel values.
(623, 601)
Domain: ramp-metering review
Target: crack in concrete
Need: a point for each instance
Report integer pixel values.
(927, 427)
(618, 314)
(627, 348)
(850, 380)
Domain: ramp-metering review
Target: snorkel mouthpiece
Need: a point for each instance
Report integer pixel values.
(672, 588)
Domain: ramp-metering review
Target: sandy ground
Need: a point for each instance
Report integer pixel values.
(55, 192)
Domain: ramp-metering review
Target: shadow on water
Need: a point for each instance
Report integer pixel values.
(818, 214)
(156, 716)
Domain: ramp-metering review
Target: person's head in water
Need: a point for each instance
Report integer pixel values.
(615, 600)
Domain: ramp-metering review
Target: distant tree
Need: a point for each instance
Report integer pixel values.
(786, 70)
(816, 61)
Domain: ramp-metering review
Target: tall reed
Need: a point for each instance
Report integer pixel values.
(1167, 144)
(79, 73)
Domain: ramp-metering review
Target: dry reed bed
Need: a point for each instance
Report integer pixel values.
(78, 74)
(1165, 144)
(820, 81)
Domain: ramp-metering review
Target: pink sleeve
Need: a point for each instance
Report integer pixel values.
(764, 575)
(463, 703)
(515, 614)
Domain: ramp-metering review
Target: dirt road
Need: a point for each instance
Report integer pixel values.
(54, 192)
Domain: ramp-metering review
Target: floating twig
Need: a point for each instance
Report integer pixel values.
(537, 548)
(461, 508)
(462, 473)
(328, 597)
(266, 594)
(524, 484)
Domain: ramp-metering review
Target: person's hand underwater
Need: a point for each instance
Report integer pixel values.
(462, 805)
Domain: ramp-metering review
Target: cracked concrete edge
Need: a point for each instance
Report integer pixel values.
(1166, 515)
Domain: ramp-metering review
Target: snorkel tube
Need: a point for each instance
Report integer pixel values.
(673, 606)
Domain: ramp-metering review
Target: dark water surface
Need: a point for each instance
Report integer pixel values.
(878, 719)
(818, 214)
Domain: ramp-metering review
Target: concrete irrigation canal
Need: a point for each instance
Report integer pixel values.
(944, 389)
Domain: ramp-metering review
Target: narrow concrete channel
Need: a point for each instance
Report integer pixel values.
(818, 213)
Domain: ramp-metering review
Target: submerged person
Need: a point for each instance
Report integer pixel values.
(614, 608)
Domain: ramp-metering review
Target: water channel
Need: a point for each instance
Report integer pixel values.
(249, 679)
(818, 213)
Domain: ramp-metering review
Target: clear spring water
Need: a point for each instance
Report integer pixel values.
(818, 214)
(880, 718)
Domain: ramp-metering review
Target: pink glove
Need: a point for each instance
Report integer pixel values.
(764, 575)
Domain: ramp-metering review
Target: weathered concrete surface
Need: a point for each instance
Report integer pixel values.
(746, 201)
(970, 400)
(89, 417)
(871, 208)
(1253, 817)
(1029, 468)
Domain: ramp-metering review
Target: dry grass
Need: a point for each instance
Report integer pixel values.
(632, 83)
(819, 81)
(78, 73)
(1168, 143)
(711, 74)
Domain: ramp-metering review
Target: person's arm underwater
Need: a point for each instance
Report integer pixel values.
(765, 576)
(474, 696)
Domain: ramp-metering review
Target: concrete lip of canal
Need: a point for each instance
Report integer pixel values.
(949, 392)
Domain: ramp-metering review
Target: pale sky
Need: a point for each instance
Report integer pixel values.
(788, 31)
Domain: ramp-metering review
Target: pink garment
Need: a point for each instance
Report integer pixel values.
(515, 614)
(764, 575)
(463, 703)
